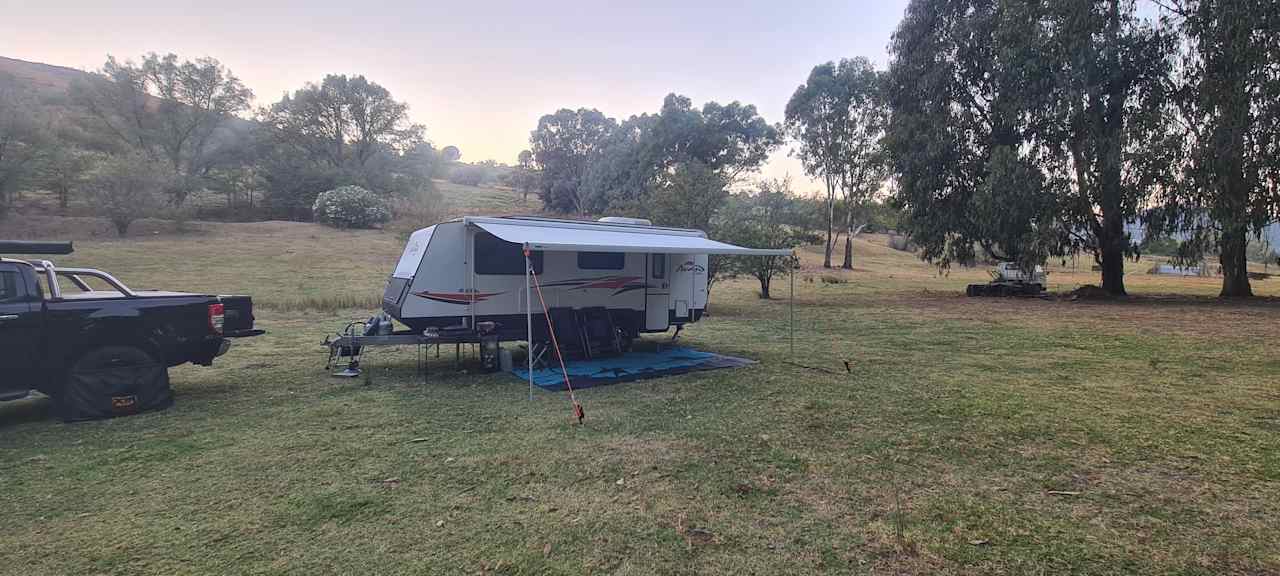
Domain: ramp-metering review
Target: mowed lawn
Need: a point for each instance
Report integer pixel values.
(977, 436)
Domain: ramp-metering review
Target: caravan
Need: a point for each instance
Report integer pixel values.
(473, 273)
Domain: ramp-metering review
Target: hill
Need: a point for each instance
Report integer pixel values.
(44, 80)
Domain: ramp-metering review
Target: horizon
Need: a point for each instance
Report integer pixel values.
(532, 61)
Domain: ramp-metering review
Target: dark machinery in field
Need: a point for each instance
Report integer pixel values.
(1008, 279)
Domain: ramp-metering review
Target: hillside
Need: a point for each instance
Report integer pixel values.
(44, 80)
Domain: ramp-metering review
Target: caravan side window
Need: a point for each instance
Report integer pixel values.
(602, 260)
(659, 266)
(495, 256)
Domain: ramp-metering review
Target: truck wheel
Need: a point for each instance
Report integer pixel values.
(114, 381)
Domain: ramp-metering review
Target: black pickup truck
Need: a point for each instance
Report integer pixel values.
(96, 347)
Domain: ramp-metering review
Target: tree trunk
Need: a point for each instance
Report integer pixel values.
(63, 200)
(848, 241)
(831, 222)
(1112, 241)
(764, 286)
(1234, 257)
(1111, 244)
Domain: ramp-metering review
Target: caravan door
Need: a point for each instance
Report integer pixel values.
(657, 299)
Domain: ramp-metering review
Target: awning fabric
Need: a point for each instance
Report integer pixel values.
(590, 237)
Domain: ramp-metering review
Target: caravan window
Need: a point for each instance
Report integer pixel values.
(602, 260)
(659, 266)
(495, 256)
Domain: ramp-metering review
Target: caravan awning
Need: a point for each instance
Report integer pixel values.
(589, 236)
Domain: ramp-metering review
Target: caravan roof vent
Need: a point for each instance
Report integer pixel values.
(625, 220)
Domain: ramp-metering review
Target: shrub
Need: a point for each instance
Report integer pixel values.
(468, 174)
(350, 207)
(126, 188)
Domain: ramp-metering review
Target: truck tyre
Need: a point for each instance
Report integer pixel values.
(111, 381)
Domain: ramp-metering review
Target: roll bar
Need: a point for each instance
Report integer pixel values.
(74, 274)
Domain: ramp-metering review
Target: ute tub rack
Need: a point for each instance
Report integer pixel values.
(75, 275)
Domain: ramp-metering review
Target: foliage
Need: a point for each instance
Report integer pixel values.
(1229, 103)
(342, 131)
(957, 124)
(563, 146)
(1028, 129)
(758, 218)
(127, 187)
(589, 163)
(351, 207)
(64, 169)
(22, 138)
(182, 113)
(524, 177)
(838, 116)
(642, 153)
(689, 198)
(469, 174)
(450, 154)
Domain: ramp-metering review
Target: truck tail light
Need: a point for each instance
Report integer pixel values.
(217, 318)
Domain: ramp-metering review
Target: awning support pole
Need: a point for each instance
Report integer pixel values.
(528, 310)
(793, 310)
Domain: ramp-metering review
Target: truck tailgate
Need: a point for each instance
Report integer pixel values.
(238, 316)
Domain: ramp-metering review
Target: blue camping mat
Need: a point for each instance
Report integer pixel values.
(628, 367)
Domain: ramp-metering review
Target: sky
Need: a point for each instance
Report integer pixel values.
(479, 74)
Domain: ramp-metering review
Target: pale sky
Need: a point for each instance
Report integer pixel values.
(479, 74)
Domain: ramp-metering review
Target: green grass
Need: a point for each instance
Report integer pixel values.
(941, 452)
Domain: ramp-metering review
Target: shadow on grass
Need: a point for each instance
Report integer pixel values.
(33, 408)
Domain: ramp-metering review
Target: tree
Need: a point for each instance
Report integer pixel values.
(863, 169)
(342, 131)
(1229, 100)
(1105, 129)
(450, 154)
(127, 187)
(759, 219)
(689, 198)
(21, 140)
(525, 176)
(816, 115)
(642, 153)
(1028, 129)
(64, 169)
(344, 122)
(168, 110)
(957, 132)
(563, 146)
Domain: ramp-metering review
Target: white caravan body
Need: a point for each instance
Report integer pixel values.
(462, 272)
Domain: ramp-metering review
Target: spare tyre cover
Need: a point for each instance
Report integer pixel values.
(125, 388)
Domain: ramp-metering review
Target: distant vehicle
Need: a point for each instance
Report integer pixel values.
(101, 349)
(1009, 279)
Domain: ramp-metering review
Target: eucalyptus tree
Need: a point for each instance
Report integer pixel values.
(1229, 99)
(563, 145)
(1107, 126)
(815, 117)
(1029, 128)
(962, 86)
(863, 170)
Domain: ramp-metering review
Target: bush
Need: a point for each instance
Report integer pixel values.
(468, 174)
(350, 207)
(125, 188)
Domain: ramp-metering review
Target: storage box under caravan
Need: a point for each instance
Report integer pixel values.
(624, 273)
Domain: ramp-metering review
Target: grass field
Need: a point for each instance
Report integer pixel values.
(972, 436)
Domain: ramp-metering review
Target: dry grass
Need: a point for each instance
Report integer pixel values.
(972, 436)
